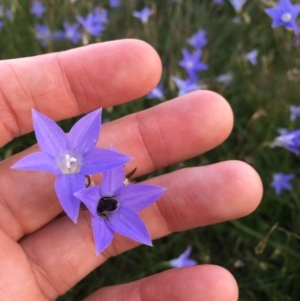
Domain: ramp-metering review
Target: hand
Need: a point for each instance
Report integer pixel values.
(41, 256)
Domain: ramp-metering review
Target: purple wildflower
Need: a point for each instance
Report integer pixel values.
(295, 112)
(101, 16)
(281, 181)
(71, 32)
(238, 4)
(90, 25)
(37, 8)
(157, 92)
(225, 78)
(115, 3)
(1, 24)
(114, 208)
(71, 157)
(198, 40)
(218, 1)
(143, 14)
(185, 86)
(289, 140)
(9, 14)
(43, 34)
(285, 13)
(191, 63)
(252, 56)
(183, 260)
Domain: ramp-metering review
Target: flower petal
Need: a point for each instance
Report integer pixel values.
(186, 253)
(85, 132)
(65, 186)
(139, 196)
(51, 138)
(112, 181)
(103, 235)
(101, 159)
(90, 197)
(127, 223)
(38, 161)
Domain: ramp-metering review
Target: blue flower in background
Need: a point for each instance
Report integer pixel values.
(143, 14)
(282, 181)
(71, 157)
(115, 3)
(1, 24)
(238, 4)
(90, 25)
(285, 13)
(295, 112)
(101, 16)
(225, 78)
(252, 56)
(185, 86)
(218, 1)
(191, 63)
(198, 40)
(43, 34)
(289, 140)
(157, 92)
(37, 8)
(183, 260)
(114, 208)
(72, 32)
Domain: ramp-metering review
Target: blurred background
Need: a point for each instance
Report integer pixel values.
(225, 46)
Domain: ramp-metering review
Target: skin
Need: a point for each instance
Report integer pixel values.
(41, 253)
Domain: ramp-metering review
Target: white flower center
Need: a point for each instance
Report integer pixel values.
(286, 17)
(69, 163)
(190, 64)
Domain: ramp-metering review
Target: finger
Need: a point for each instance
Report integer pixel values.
(168, 133)
(207, 283)
(195, 197)
(73, 82)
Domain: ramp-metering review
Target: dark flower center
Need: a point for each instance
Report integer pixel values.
(106, 205)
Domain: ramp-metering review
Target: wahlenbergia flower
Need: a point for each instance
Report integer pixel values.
(295, 112)
(157, 92)
(285, 13)
(288, 139)
(238, 4)
(72, 32)
(143, 14)
(218, 1)
(282, 181)
(1, 24)
(115, 3)
(90, 25)
(185, 86)
(252, 56)
(101, 15)
(37, 8)
(198, 40)
(114, 208)
(71, 157)
(183, 260)
(225, 78)
(43, 34)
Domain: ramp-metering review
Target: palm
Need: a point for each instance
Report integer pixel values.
(42, 252)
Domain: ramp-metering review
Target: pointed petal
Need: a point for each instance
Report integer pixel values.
(85, 132)
(101, 159)
(112, 181)
(103, 235)
(65, 186)
(90, 197)
(127, 223)
(38, 161)
(139, 196)
(51, 138)
(186, 253)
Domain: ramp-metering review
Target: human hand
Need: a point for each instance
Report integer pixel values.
(42, 255)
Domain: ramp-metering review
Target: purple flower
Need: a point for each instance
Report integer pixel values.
(115, 3)
(218, 1)
(281, 181)
(9, 14)
(295, 112)
(43, 34)
(101, 16)
(37, 8)
(157, 92)
(143, 15)
(252, 56)
(238, 4)
(114, 208)
(71, 157)
(289, 140)
(1, 24)
(225, 78)
(185, 86)
(71, 32)
(183, 260)
(191, 63)
(285, 13)
(90, 25)
(198, 40)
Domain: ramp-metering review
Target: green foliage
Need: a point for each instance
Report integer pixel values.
(262, 250)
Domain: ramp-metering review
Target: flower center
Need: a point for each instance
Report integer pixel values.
(286, 17)
(107, 204)
(69, 163)
(190, 64)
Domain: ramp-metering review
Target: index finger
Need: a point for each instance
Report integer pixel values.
(69, 83)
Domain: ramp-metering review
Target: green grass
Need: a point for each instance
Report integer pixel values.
(259, 95)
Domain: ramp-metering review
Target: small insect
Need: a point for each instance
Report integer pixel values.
(107, 204)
